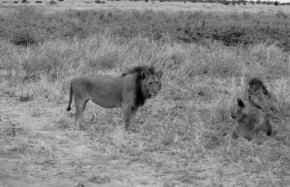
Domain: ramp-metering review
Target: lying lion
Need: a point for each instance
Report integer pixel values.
(128, 91)
(250, 120)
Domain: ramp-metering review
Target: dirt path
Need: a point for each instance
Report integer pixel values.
(42, 155)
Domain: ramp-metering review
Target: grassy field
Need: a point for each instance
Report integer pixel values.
(182, 138)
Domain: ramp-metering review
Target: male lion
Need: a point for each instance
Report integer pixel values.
(250, 121)
(129, 91)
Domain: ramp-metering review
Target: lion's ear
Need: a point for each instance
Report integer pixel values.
(159, 74)
(144, 74)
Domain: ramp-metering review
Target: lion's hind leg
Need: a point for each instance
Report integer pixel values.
(80, 107)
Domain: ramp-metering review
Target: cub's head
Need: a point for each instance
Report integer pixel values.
(151, 83)
(241, 109)
(256, 86)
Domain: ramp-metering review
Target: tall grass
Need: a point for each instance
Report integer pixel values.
(229, 28)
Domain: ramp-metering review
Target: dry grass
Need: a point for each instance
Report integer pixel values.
(182, 137)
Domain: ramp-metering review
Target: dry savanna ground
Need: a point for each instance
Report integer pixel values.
(182, 135)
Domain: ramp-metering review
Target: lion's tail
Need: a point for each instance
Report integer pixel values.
(70, 98)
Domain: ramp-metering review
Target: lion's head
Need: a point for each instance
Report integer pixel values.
(150, 83)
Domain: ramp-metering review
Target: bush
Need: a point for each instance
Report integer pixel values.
(276, 3)
(60, 0)
(52, 2)
(225, 3)
(38, 2)
(23, 38)
(99, 2)
(24, 1)
(15, 2)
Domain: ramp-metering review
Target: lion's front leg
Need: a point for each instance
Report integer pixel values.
(127, 112)
(133, 119)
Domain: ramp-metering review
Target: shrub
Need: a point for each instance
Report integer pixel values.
(99, 2)
(38, 1)
(25, 97)
(24, 1)
(15, 2)
(52, 2)
(60, 0)
(23, 38)
(276, 3)
(225, 3)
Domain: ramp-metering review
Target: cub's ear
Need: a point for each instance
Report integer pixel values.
(159, 74)
(240, 102)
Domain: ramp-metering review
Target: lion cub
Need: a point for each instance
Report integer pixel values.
(258, 93)
(250, 121)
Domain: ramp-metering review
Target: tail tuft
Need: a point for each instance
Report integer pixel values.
(269, 130)
(68, 108)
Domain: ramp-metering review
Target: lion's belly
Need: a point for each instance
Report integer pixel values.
(107, 94)
(108, 102)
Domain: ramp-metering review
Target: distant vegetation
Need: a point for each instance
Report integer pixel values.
(99, 2)
(52, 2)
(187, 27)
(225, 2)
